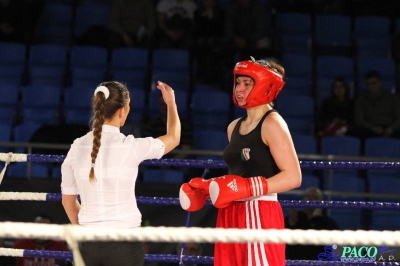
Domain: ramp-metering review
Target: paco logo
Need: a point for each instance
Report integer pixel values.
(357, 254)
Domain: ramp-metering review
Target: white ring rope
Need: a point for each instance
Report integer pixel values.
(197, 234)
(38, 196)
(15, 157)
(11, 252)
(11, 157)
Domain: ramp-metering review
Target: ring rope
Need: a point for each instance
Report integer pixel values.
(172, 258)
(42, 158)
(197, 234)
(370, 205)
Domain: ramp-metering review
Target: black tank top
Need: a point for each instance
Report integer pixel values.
(247, 155)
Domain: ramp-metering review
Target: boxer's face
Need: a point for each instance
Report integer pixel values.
(243, 87)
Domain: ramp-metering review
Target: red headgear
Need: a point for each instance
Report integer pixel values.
(268, 82)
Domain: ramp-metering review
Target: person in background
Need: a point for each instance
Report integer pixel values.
(40, 244)
(175, 20)
(102, 168)
(132, 24)
(336, 117)
(308, 218)
(377, 112)
(262, 162)
(246, 29)
(209, 24)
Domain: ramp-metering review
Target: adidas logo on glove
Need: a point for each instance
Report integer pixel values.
(232, 185)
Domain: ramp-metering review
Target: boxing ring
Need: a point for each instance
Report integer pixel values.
(72, 234)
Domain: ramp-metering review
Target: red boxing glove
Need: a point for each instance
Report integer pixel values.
(191, 199)
(201, 184)
(228, 188)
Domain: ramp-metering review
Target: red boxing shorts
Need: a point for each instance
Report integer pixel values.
(252, 214)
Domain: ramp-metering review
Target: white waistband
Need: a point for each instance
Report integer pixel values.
(271, 197)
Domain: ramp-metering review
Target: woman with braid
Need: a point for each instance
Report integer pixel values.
(102, 166)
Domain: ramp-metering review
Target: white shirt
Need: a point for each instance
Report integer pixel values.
(110, 200)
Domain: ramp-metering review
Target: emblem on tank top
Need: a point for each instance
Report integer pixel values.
(245, 154)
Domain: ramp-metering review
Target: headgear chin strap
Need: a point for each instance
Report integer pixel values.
(268, 82)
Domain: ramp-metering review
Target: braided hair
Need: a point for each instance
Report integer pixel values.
(103, 109)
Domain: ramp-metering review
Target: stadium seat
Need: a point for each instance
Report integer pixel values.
(333, 34)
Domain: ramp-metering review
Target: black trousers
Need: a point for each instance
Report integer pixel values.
(112, 253)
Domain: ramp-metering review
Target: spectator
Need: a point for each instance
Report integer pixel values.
(308, 218)
(246, 30)
(132, 23)
(337, 110)
(377, 112)
(209, 23)
(40, 244)
(13, 21)
(175, 23)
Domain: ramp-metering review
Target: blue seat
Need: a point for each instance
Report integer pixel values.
(304, 143)
(5, 134)
(48, 55)
(41, 103)
(333, 34)
(129, 58)
(11, 75)
(54, 25)
(385, 66)
(347, 219)
(89, 14)
(238, 112)
(299, 70)
(87, 77)
(88, 65)
(341, 145)
(197, 86)
(78, 109)
(210, 139)
(47, 64)
(89, 57)
(23, 133)
(298, 111)
(295, 32)
(138, 101)
(181, 98)
(210, 110)
(12, 54)
(385, 220)
(163, 176)
(8, 102)
(334, 179)
(46, 75)
(171, 66)
(309, 180)
(383, 181)
(132, 78)
(328, 68)
(130, 66)
(372, 36)
(382, 147)
(56, 14)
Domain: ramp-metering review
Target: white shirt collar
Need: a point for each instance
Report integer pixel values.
(110, 129)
